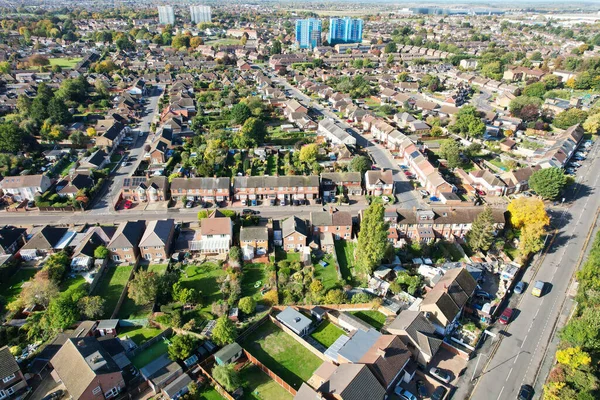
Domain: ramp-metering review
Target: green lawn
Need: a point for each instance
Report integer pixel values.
(66, 63)
(12, 288)
(345, 256)
(327, 333)
(455, 254)
(223, 41)
(65, 170)
(129, 310)
(70, 285)
(272, 165)
(282, 354)
(160, 269)
(373, 318)
(111, 286)
(253, 273)
(328, 275)
(150, 354)
(139, 334)
(203, 278)
(258, 385)
(209, 393)
(290, 256)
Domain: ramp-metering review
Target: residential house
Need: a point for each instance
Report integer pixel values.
(351, 382)
(346, 183)
(335, 134)
(215, 235)
(123, 246)
(94, 237)
(484, 180)
(379, 182)
(283, 188)
(48, 240)
(144, 190)
(207, 190)
(12, 380)
(517, 180)
(25, 187)
(160, 372)
(96, 160)
(87, 370)
(157, 241)
(75, 184)
(417, 333)
(112, 137)
(338, 223)
(254, 241)
(387, 359)
(11, 239)
(443, 305)
(294, 233)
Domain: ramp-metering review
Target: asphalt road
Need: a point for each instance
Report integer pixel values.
(406, 196)
(523, 344)
(135, 155)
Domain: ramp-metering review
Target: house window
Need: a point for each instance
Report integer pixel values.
(116, 257)
(127, 255)
(112, 392)
(2, 394)
(96, 390)
(10, 390)
(158, 255)
(8, 378)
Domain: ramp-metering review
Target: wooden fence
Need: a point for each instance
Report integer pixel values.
(218, 387)
(135, 351)
(270, 373)
(299, 339)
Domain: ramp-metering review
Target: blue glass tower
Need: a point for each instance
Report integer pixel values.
(308, 33)
(345, 30)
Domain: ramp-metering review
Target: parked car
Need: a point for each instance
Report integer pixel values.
(525, 393)
(480, 192)
(30, 204)
(439, 393)
(247, 211)
(422, 389)
(404, 394)
(189, 204)
(520, 287)
(403, 167)
(440, 374)
(538, 288)
(127, 205)
(484, 294)
(407, 173)
(54, 395)
(424, 193)
(506, 316)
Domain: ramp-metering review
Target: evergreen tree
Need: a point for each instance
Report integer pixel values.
(372, 239)
(481, 235)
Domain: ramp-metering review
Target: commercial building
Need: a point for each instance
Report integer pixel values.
(166, 15)
(308, 33)
(345, 30)
(200, 14)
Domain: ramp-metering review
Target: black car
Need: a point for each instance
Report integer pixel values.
(422, 389)
(55, 395)
(525, 393)
(439, 393)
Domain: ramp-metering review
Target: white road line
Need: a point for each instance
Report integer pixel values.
(516, 358)
(508, 376)
(500, 394)
(523, 342)
(536, 313)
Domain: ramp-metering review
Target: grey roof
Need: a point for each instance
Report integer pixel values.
(128, 234)
(8, 365)
(46, 238)
(360, 342)
(108, 324)
(294, 224)
(293, 319)
(227, 352)
(354, 321)
(157, 233)
(354, 382)
(200, 183)
(275, 181)
(307, 393)
(160, 369)
(339, 177)
(249, 233)
(179, 384)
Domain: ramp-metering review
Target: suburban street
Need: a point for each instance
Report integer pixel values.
(523, 344)
(135, 154)
(405, 194)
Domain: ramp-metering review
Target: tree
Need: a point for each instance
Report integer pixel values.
(481, 235)
(56, 266)
(91, 131)
(247, 305)
(410, 283)
(235, 257)
(529, 215)
(184, 295)
(240, 113)
(592, 124)
(39, 291)
(61, 313)
(517, 104)
(271, 297)
(468, 122)
(38, 60)
(251, 134)
(372, 239)
(309, 153)
(537, 89)
(5, 67)
(548, 182)
(361, 298)
(91, 306)
(391, 47)
(335, 296)
(276, 47)
(224, 331)
(11, 138)
(573, 357)
(101, 252)
(570, 117)
(196, 41)
(450, 151)
(316, 287)
(182, 347)
(227, 376)
(143, 287)
(360, 164)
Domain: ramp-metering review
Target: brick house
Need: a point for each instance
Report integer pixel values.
(294, 233)
(156, 243)
(25, 187)
(282, 188)
(11, 239)
(144, 190)
(46, 241)
(338, 223)
(201, 189)
(378, 183)
(87, 370)
(332, 183)
(254, 240)
(12, 381)
(112, 137)
(215, 235)
(124, 243)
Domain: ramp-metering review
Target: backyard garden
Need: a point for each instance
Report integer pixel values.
(327, 333)
(111, 286)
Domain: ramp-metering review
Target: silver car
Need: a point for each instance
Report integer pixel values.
(440, 374)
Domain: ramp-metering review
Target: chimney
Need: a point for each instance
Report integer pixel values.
(331, 210)
(381, 352)
(81, 343)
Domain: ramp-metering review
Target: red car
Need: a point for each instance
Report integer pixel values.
(480, 192)
(506, 316)
(407, 173)
(127, 205)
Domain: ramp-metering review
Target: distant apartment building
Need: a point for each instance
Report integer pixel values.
(344, 30)
(166, 15)
(308, 33)
(200, 14)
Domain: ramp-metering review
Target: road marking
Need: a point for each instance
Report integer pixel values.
(508, 376)
(516, 358)
(523, 342)
(536, 313)
(500, 394)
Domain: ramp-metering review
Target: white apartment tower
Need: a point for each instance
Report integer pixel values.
(166, 15)
(200, 14)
